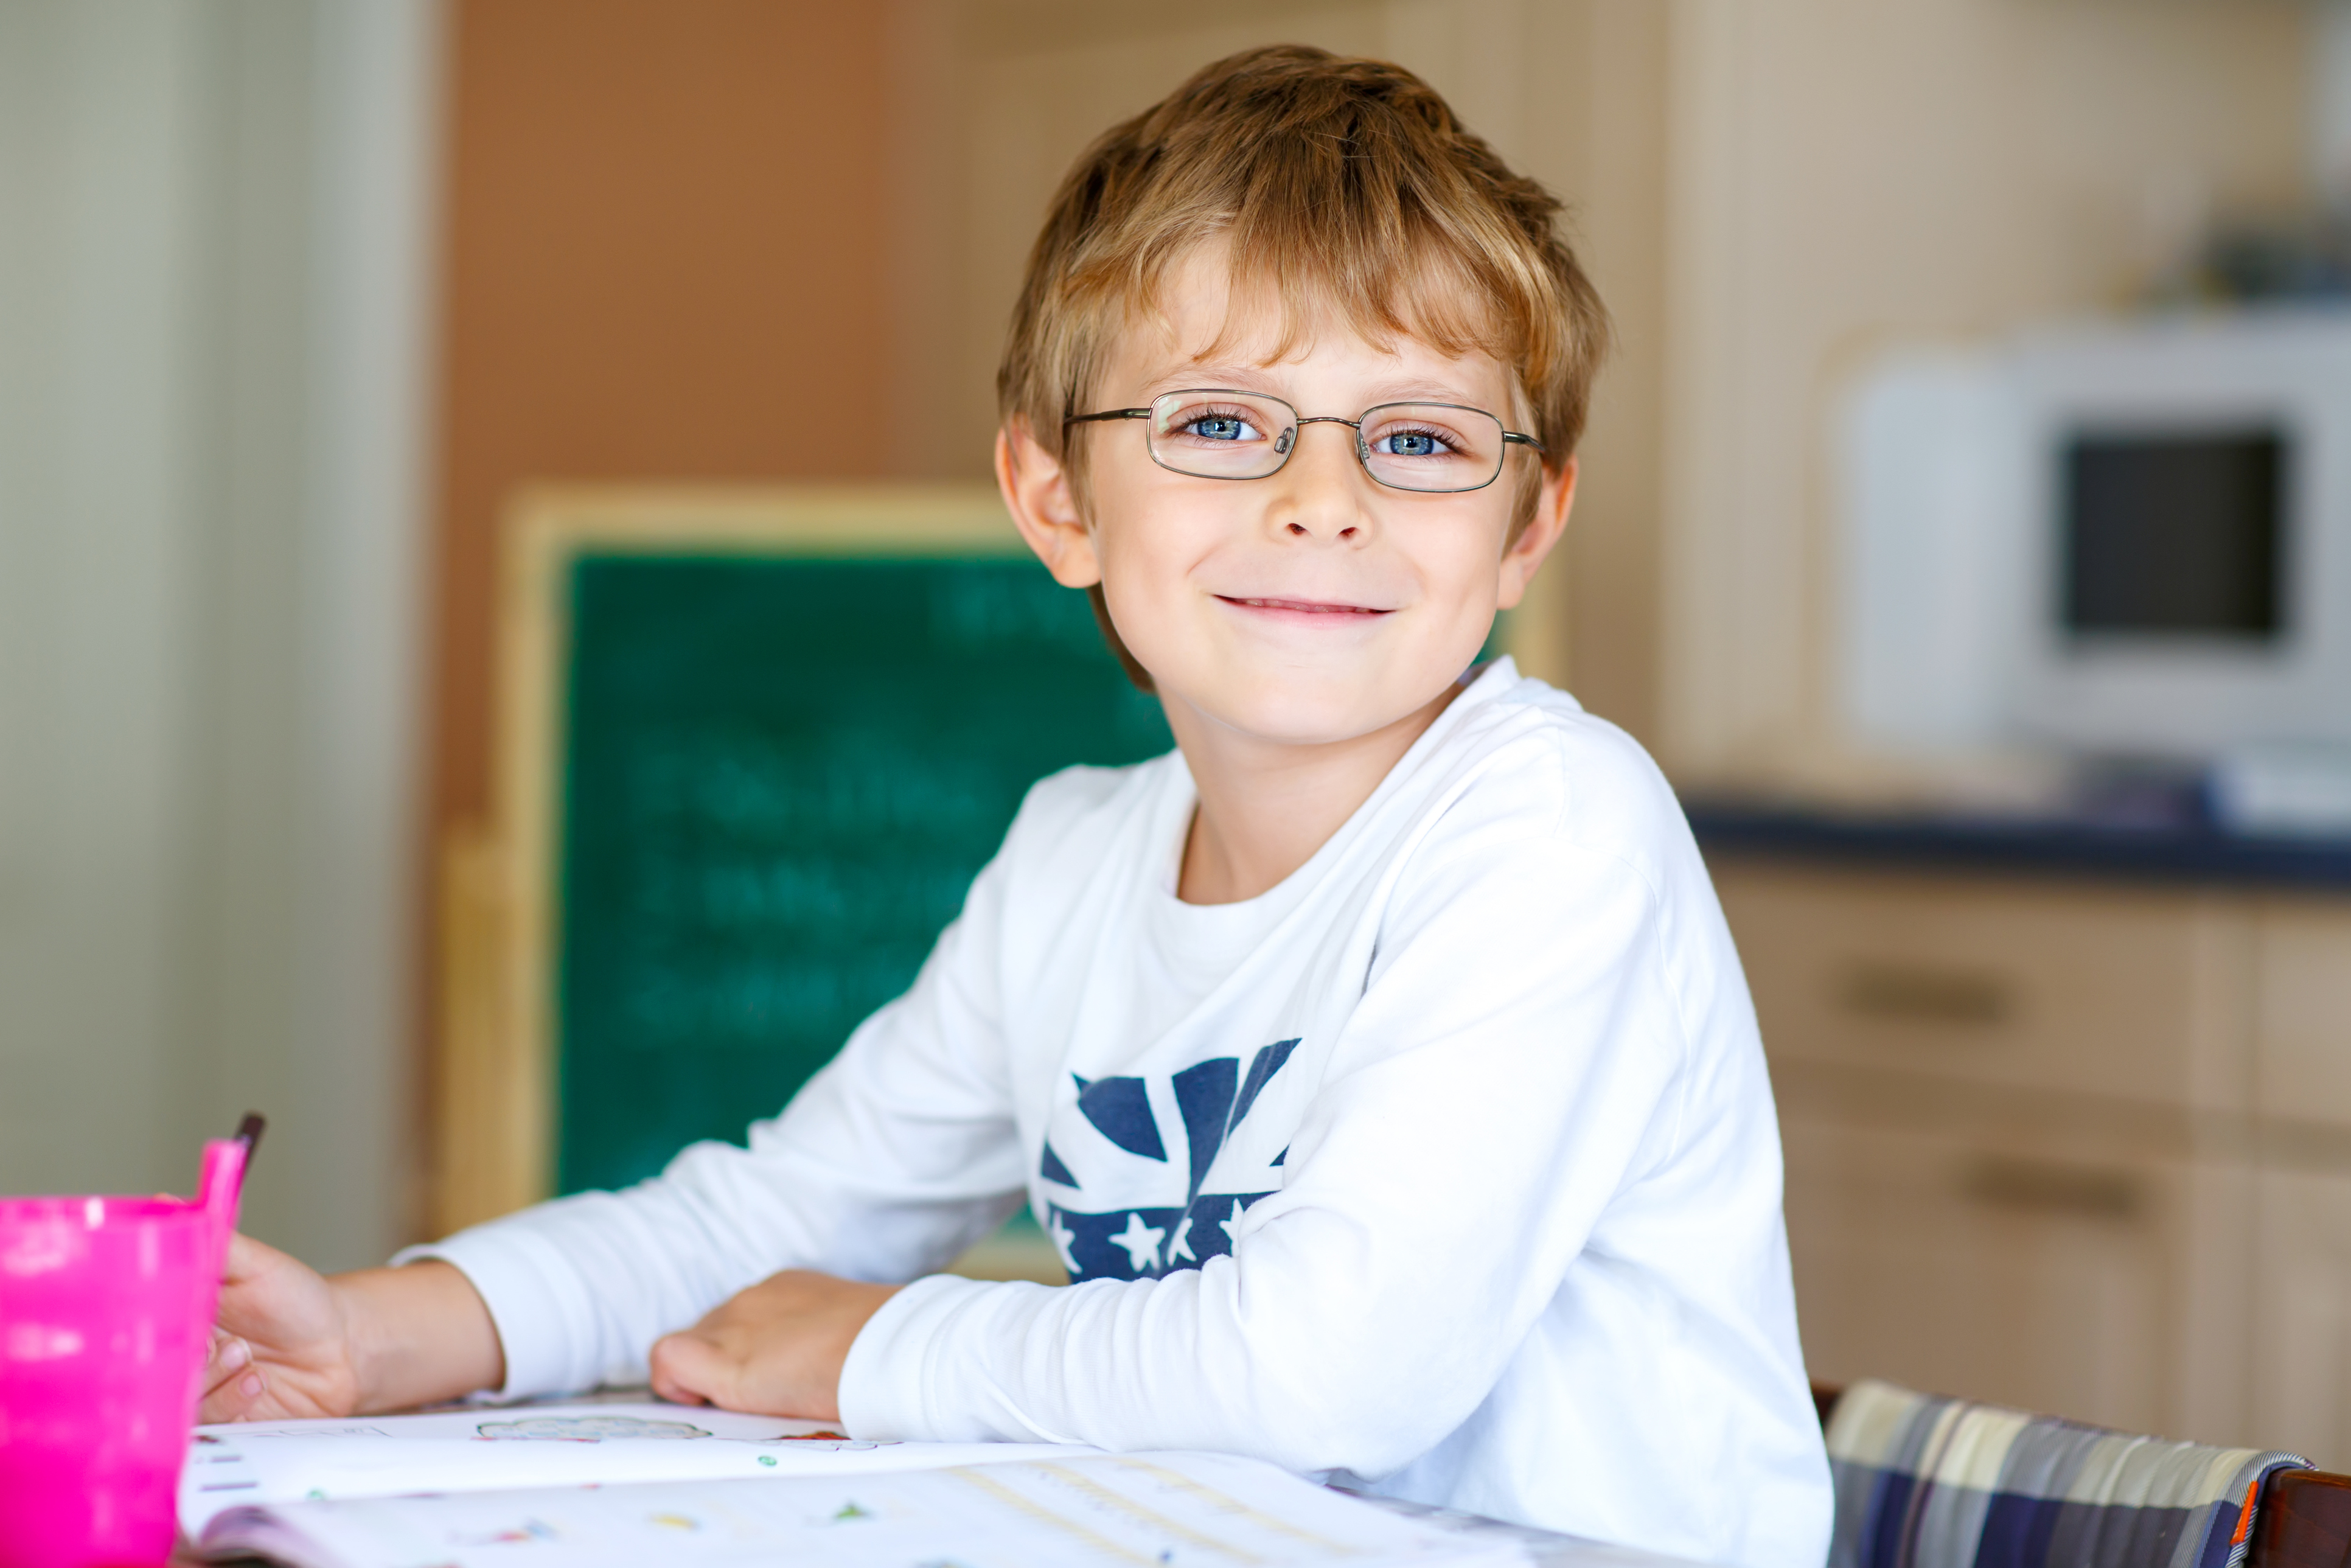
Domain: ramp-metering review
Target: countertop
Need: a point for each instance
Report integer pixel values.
(2189, 853)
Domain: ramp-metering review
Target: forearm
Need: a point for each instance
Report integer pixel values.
(1165, 1363)
(419, 1334)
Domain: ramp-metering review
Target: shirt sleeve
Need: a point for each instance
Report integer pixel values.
(1514, 1061)
(889, 1162)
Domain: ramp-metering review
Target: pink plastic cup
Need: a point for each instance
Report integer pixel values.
(105, 1311)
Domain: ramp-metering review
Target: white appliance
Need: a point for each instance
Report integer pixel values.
(2129, 538)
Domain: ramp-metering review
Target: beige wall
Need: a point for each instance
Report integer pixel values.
(1846, 172)
(212, 275)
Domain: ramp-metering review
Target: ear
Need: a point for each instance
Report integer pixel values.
(1534, 542)
(1037, 493)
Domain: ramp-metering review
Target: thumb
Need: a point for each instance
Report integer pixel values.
(687, 1369)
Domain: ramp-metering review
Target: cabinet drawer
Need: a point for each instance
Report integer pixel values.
(2032, 986)
(2048, 1285)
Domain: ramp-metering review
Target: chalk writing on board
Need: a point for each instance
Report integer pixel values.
(758, 784)
(703, 1007)
(797, 894)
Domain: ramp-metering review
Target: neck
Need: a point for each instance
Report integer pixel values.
(1265, 807)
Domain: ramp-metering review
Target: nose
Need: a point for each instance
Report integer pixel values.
(1319, 493)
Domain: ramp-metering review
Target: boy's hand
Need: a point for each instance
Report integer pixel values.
(775, 1349)
(281, 1350)
(289, 1345)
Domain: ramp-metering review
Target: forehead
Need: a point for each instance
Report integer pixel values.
(1202, 318)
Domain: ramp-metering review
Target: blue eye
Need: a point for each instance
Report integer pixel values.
(1411, 444)
(1218, 427)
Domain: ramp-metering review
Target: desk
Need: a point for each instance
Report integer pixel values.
(1545, 1549)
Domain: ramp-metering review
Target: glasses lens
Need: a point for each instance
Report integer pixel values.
(1221, 434)
(1432, 446)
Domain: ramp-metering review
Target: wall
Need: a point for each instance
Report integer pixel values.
(667, 258)
(211, 295)
(1847, 171)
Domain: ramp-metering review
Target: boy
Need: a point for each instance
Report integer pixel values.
(1379, 1062)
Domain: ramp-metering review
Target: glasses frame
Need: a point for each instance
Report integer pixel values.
(1298, 422)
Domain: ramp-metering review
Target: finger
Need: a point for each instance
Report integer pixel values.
(235, 1399)
(686, 1369)
(230, 1355)
(665, 1366)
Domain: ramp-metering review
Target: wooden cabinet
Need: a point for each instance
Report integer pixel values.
(1932, 1259)
(2302, 1078)
(2078, 1148)
(2047, 988)
(2301, 1378)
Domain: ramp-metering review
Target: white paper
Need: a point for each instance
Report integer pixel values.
(563, 1445)
(1076, 1510)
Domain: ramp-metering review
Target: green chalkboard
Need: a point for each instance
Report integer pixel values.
(778, 777)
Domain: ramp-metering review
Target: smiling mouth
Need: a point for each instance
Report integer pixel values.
(1301, 606)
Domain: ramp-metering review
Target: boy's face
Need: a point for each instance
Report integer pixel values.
(1311, 606)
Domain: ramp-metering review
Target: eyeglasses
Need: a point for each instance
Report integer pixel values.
(1438, 448)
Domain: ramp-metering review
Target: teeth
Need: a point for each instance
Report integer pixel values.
(1308, 609)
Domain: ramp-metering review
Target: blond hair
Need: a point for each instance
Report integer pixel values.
(1338, 183)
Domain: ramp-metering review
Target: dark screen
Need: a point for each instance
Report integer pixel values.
(2174, 535)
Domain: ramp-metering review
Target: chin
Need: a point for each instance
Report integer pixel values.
(1301, 714)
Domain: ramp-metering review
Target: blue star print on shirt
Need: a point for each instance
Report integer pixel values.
(1143, 1239)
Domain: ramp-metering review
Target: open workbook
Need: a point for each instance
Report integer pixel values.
(591, 1484)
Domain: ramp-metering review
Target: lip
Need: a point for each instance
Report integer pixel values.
(1311, 611)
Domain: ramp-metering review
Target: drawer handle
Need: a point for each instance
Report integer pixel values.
(2045, 1186)
(1933, 996)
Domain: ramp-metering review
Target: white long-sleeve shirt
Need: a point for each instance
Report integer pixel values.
(1448, 1166)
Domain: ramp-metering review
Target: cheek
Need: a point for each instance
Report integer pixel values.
(1143, 585)
(1460, 570)
(1148, 549)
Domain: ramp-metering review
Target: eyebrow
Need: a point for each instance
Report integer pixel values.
(1238, 377)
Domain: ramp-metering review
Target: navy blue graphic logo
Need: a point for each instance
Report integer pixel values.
(1116, 1139)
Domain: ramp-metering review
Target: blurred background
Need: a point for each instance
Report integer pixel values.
(1966, 525)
